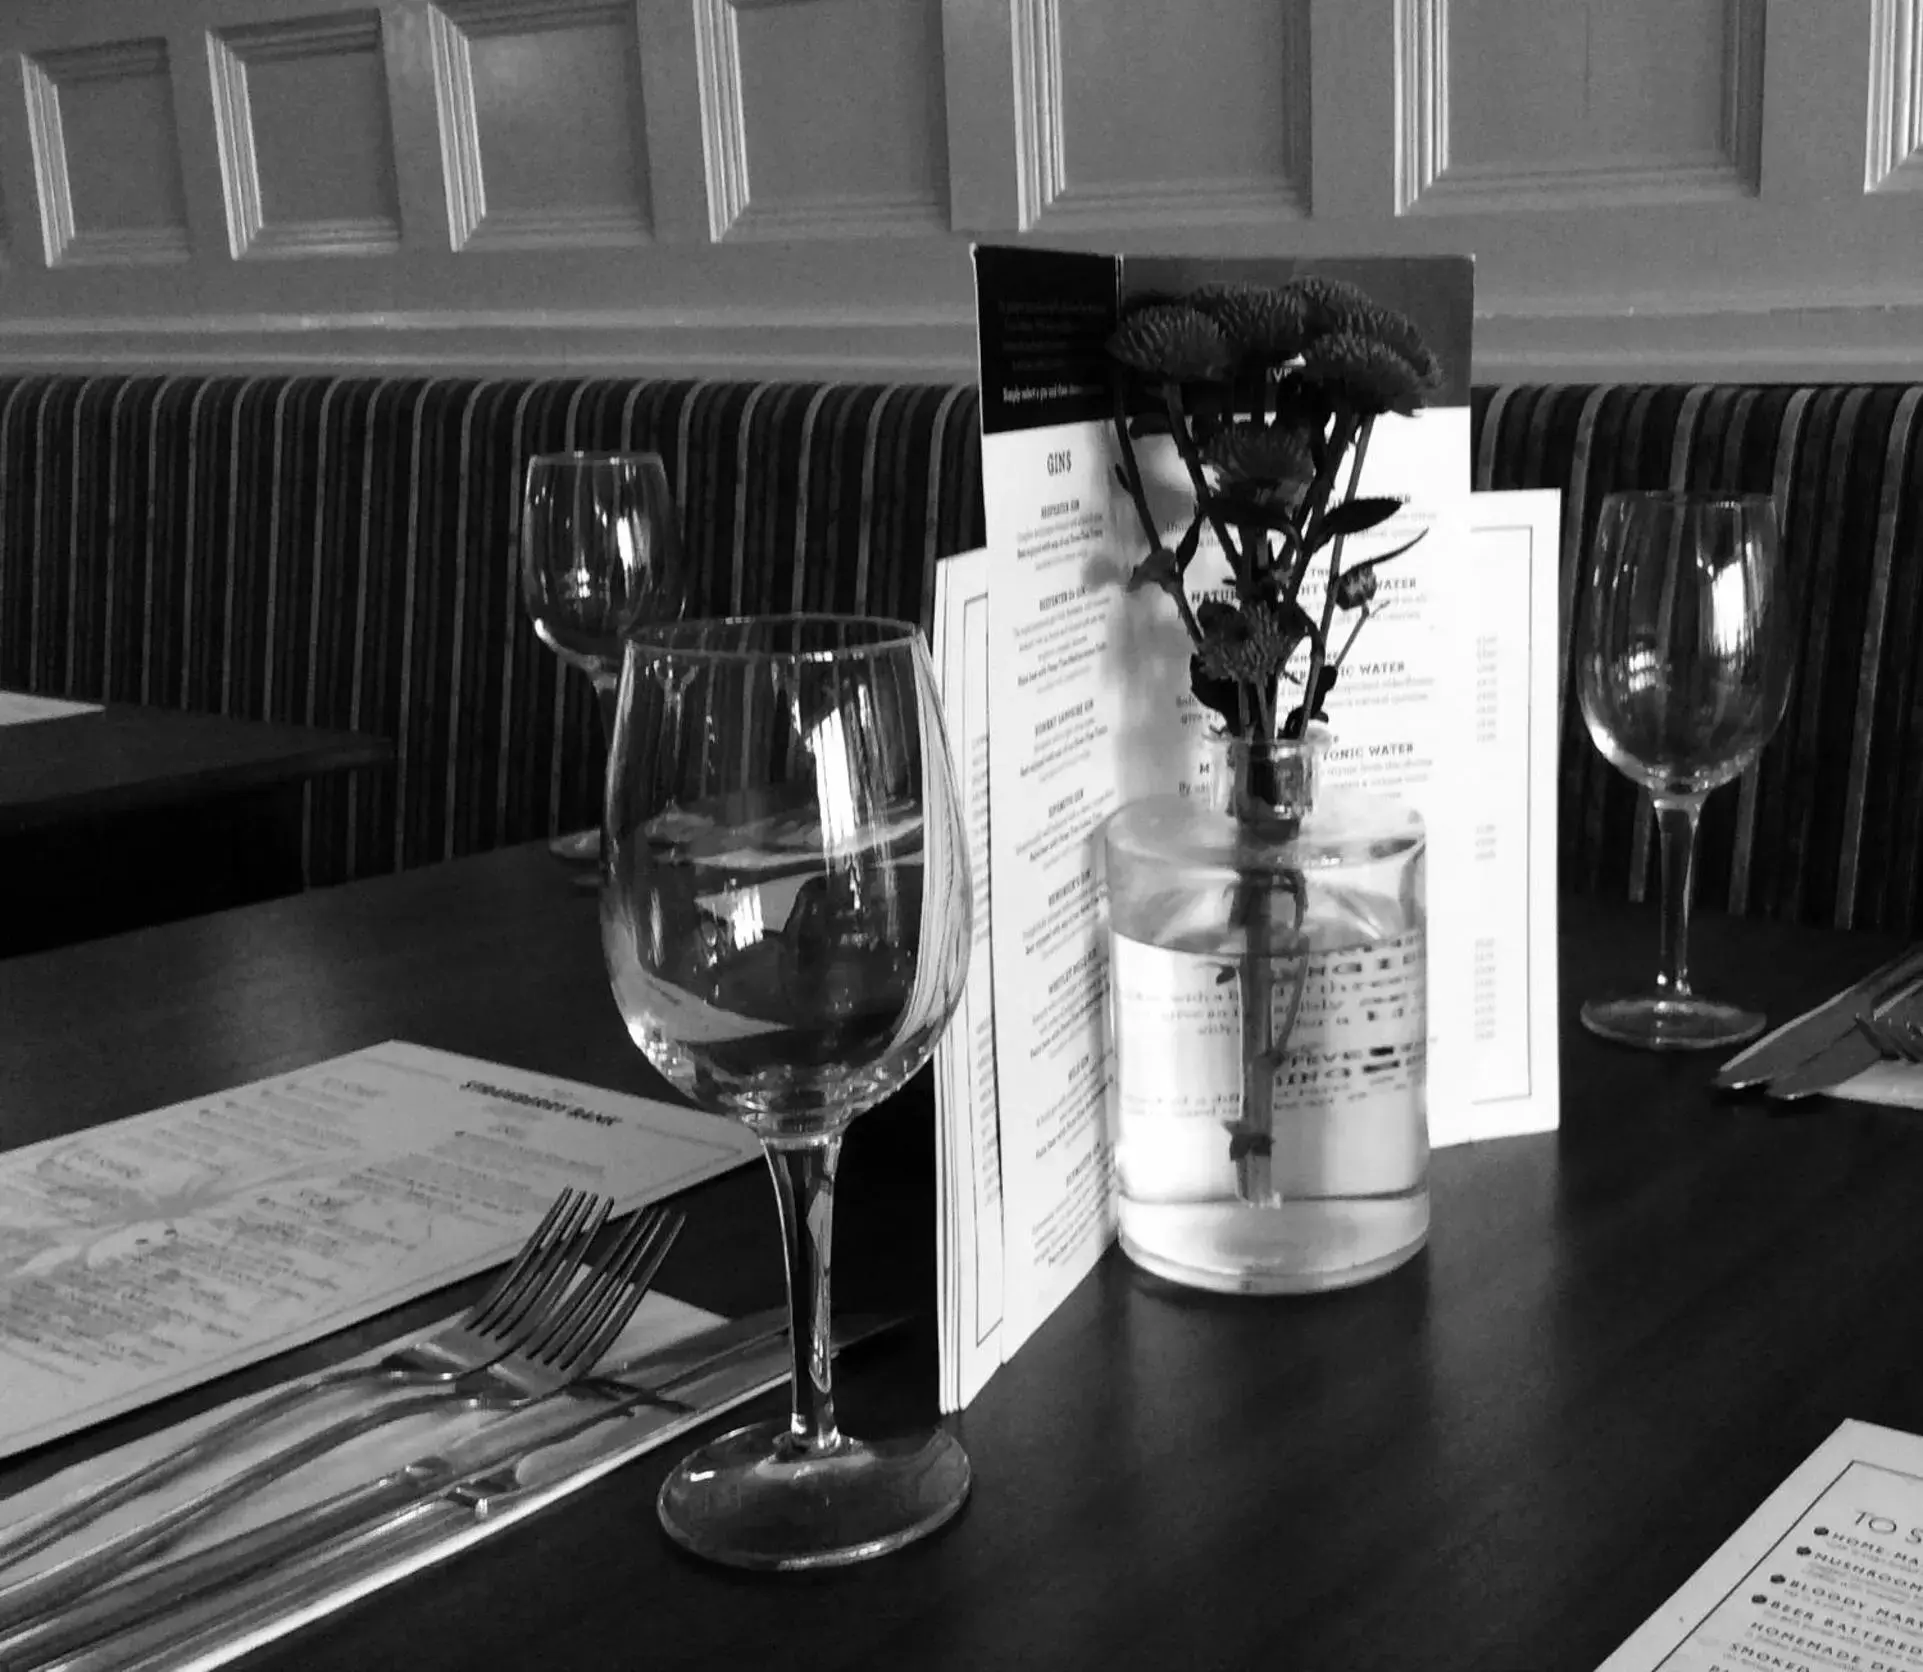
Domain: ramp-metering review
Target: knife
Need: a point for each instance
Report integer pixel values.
(287, 1570)
(1848, 1057)
(1802, 1040)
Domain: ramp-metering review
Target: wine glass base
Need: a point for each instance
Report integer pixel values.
(748, 1500)
(1666, 1022)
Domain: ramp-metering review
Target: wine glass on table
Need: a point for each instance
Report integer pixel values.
(600, 554)
(785, 916)
(1683, 674)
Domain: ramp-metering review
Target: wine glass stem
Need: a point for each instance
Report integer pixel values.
(804, 1177)
(1676, 819)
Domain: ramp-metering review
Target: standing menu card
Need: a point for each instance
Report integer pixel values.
(1089, 707)
(1827, 1574)
(150, 1254)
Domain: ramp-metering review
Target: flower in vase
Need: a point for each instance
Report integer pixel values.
(1269, 393)
(1173, 342)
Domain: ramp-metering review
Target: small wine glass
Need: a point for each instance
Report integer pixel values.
(600, 554)
(785, 916)
(1683, 675)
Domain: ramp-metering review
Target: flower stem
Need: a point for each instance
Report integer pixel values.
(1319, 647)
(1132, 472)
(1192, 460)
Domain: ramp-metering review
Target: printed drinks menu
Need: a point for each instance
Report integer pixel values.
(1827, 1574)
(1089, 707)
(144, 1256)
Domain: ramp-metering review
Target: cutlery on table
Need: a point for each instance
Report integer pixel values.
(429, 1498)
(1898, 1041)
(224, 1592)
(1798, 1042)
(564, 1349)
(1875, 1037)
(500, 1321)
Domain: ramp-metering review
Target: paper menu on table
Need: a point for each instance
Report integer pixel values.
(21, 708)
(1828, 1573)
(141, 1257)
(967, 1116)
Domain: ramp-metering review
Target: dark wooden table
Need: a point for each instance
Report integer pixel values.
(1504, 1456)
(133, 815)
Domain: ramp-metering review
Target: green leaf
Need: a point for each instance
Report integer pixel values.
(1185, 549)
(1355, 516)
(1159, 568)
(1375, 563)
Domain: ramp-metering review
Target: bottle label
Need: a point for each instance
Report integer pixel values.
(1349, 1112)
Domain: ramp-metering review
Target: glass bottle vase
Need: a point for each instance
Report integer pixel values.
(1268, 1005)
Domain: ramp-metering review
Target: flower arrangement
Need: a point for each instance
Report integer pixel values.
(1270, 394)
(1268, 391)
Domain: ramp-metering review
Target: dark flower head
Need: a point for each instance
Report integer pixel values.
(1334, 308)
(1372, 375)
(1258, 456)
(1356, 588)
(1325, 302)
(1172, 341)
(1261, 322)
(1249, 645)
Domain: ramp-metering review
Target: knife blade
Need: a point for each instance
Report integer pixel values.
(1847, 1058)
(286, 1571)
(1800, 1041)
(668, 1380)
(1829, 1068)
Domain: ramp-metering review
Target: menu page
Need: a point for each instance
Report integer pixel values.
(1509, 816)
(144, 1256)
(967, 1113)
(1056, 603)
(1827, 1573)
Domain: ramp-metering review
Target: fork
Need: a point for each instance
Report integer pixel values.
(487, 1332)
(565, 1348)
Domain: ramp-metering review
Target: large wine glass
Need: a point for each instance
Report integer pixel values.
(785, 916)
(600, 554)
(1683, 674)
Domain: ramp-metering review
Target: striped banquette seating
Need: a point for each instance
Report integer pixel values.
(340, 551)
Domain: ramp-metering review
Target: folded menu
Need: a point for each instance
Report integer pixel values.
(153, 1253)
(245, 1615)
(1899, 1084)
(1826, 1574)
(19, 708)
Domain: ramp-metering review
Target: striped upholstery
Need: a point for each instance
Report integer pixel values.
(1829, 825)
(340, 552)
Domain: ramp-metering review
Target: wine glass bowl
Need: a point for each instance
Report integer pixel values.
(600, 554)
(1683, 676)
(785, 918)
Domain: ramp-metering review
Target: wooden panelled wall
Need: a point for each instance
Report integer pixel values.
(1653, 188)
